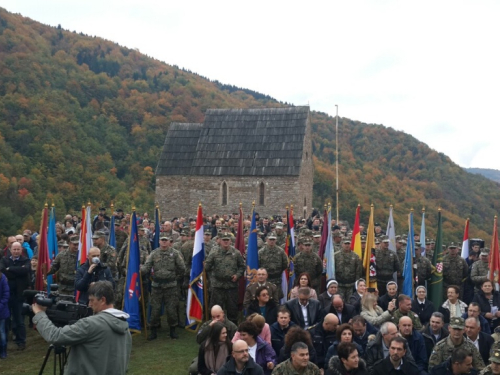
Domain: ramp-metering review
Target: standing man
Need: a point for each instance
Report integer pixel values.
(348, 269)
(168, 266)
(109, 257)
(273, 258)
(387, 264)
(455, 269)
(401, 253)
(65, 266)
(280, 235)
(308, 261)
(226, 266)
(17, 269)
(480, 269)
(424, 268)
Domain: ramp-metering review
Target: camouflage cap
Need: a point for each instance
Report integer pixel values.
(457, 323)
(363, 238)
(185, 232)
(385, 239)
(495, 356)
(74, 239)
(377, 241)
(225, 236)
(485, 251)
(279, 225)
(337, 234)
(316, 234)
(62, 243)
(453, 245)
(346, 240)
(165, 237)
(98, 234)
(403, 241)
(208, 231)
(272, 236)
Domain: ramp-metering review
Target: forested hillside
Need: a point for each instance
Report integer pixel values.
(82, 118)
(492, 174)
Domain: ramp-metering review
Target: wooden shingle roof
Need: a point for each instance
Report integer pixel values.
(237, 142)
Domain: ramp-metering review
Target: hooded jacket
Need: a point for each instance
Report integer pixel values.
(336, 367)
(100, 344)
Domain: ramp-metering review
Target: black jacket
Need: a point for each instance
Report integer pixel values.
(336, 367)
(18, 275)
(485, 307)
(278, 336)
(348, 312)
(424, 312)
(383, 301)
(325, 300)
(385, 367)
(430, 340)
(322, 340)
(314, 312)
(374, 352)
(251, 368)
(271, 310)
(355, 300)
(445, 369)
(83, 279)
(485, 344)
(363, 340)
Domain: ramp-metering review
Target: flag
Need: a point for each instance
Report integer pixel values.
(329, 255)
(43, 253)
(356, 236)
(494, 257)
(391, 231)
(52, 242)
(436, 285)
(85, 239)
(422, 234)
(156, 238)
(465, 243)
(369, 257)
(324, 237)
(408, 263)
(288, 279)
(112, 236)
(239, 244)
(133, 288)
(252, 252)
(195, 299)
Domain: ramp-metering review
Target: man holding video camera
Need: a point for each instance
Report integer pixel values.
(90, 272)
(100, 343)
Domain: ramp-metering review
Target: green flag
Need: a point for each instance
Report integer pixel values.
(436, 284)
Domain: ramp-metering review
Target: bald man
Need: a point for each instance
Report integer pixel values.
(416, 343)
(218, 315)
(240, 362)
(323, 336)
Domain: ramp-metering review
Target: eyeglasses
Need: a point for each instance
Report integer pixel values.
(241, 351)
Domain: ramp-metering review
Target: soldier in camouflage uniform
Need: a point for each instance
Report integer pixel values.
(65, 266)
(280, 235)
(308, 261)
(443, 349)
(273, 259)
(387, 262)
(207, 242)
(120, 235)
(404, 303)
(401, 252)
(295, 364)
(455, 269)
(109, 258)
(494, 367)
(183, 238)
(226, 266)
(423, 268)
(348, 269)
(274, 293)
(168, 266)
(316, 242)
(429, 248)
(480, 269)
(337, 241)
(144, 242)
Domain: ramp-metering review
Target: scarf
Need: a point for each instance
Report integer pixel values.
(215, 363)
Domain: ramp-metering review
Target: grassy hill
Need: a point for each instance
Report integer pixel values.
(82, 118)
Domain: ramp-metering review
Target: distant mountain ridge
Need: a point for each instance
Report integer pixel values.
(84, 119)
(492, 174)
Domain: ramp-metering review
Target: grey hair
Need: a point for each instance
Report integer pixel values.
(298, 345)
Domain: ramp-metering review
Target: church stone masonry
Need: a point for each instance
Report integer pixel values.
(237, 155)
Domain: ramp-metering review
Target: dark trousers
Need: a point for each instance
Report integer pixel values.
(228, 300)
(18, 327)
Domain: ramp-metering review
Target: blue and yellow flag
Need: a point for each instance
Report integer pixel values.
(133, 287)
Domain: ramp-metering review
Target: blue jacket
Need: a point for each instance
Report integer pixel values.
(416, 344)
(264, 354)
(4, 297)
(83, 279)
(278, 336)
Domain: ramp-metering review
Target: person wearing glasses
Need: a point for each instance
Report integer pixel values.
(225, 265)
(240, 362)
(168, 266)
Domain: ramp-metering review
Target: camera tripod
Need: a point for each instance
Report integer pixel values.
(60, 358)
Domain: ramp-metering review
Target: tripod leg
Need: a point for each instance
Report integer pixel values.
(47, 355)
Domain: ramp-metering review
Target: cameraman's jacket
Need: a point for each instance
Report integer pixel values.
(84, 279)
(166, 267)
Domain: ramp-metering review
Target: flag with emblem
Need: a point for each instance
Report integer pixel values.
(408, 263)
(112, 235)
(289, 279)
(369, 256)
(133, 284)
(436, 284)
(85, 239)
(195, 298)
(329, 255)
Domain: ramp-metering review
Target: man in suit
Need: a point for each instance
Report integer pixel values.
(305, 311)
(340, 309)
(481, 340)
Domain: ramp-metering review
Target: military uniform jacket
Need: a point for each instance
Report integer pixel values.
(479, 273)
(145, 244)
(310, 263)
(387, 264)
(348, 267)
(65, 266)
(167, 266)
(281, 239)
(187, 254)
(486, 371)
(443, 349)
(424, 269)
(222, 265)
(274, 261)
(286, 368)
(401, 256)
(455, 270)
(109, 259)
(417, 325)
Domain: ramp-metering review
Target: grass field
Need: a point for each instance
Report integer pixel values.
(161, 356)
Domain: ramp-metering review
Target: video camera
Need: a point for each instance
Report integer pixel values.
(61, 308)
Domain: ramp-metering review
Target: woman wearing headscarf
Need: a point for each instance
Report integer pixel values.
(422, 306)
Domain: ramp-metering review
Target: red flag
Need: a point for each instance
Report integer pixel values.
(495, 256)
(324, 236)
(356, 236)
(240, 245)
(43, 253)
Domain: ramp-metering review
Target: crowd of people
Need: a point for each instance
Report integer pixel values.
(335, 326)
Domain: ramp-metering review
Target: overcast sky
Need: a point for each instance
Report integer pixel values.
(429, 68)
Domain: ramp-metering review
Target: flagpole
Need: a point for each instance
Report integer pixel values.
(337, 159)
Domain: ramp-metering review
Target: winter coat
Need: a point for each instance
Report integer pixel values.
(18, 275)
(336, 367)
(250, 369)
(271, 311)
(332, 352)
(278, 336)
(485, 307)
(264, 354)
(83, 279)
(100, 344)
(4, 297)
(378, 317)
